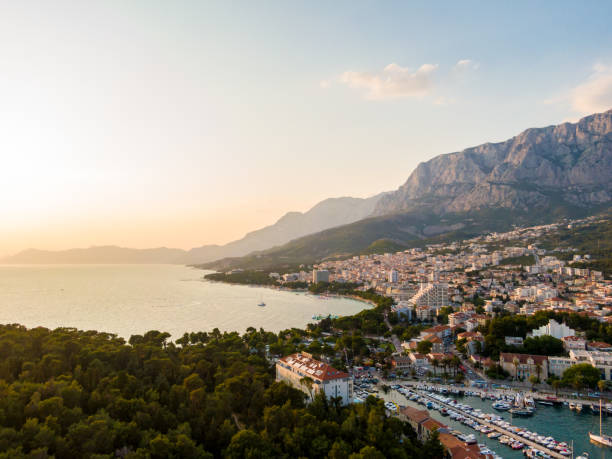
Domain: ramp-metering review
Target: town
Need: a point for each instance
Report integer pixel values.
(505, 311)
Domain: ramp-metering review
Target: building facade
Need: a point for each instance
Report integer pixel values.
(297, 369)
(522, 366)
(320, 275)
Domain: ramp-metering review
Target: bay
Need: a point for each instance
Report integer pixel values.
(133, 299)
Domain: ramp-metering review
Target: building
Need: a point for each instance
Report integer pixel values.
(392, 276)
(401, 363)
(320, 275)
(600, 360)
(573, 343)
(599, 346)
(557, 365)
(432, 295)
(403, 307)
(522, 366)
(334, 383)
(554, 329)
(514, 340)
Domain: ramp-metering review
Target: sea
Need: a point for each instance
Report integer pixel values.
(133, 299)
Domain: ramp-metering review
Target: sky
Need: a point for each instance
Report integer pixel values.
(184, 123)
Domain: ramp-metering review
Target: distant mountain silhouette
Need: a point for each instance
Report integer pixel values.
(326, 214)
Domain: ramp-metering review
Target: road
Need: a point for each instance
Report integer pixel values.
(394, 339)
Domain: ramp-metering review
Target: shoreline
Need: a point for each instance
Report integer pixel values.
(294, 290)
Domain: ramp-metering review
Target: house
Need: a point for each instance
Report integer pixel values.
(514, 340)
(298, 368)
(573, 342)
(522, 366)
(401, 363)
(599, 346)
(418, 360)
(415, 418)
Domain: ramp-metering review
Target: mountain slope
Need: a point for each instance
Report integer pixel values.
(409, 229)
(102, 254)
(569, 163)
(539, 176)
(326, 214)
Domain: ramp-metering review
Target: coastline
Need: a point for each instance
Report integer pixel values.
(295, 290)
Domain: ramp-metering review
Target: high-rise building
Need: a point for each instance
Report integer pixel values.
(320, 275)
(392, 276)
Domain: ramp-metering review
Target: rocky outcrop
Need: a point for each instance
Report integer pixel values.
(571, 162)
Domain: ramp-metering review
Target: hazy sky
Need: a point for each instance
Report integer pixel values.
(177, 123)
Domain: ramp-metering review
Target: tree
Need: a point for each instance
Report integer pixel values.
(433, 447)
(581, 375)
(555, 384)
(424, 347)
(602, 385)
(308, 383)
(533, 379)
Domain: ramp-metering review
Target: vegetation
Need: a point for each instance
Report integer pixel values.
(525, 260)
(580, 376)
(424, 347)
(243, 277)
(498, 328)
(69, 393)
(594, 239)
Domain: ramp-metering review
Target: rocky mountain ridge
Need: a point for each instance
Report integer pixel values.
(571, 162)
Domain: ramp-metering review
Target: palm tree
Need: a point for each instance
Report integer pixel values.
(456, 362)
(446, 362)
(435, 362)
(601, 385)
(556, 383)
(515, 362)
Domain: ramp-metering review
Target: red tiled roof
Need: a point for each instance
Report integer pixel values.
(415, 414)
(522, 358)
(313, 368)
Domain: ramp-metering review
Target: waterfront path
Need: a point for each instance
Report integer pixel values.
(498, 428)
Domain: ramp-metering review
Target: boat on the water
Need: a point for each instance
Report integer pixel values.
(601, 439)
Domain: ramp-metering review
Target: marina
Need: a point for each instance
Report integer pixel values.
(550, 422)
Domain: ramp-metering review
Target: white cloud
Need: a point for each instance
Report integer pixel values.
(393, 82)
(595, 94)
(463, 65)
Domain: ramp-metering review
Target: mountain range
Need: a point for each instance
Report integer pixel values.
(326, 214)
(538, 176)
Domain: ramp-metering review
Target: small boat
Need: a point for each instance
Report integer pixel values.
(578, 407)
(572, 406)
(545, 402)
(262, 304)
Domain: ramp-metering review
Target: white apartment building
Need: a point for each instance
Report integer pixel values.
(393, 276)
(554, 329)
(333, 383)
(432, 295)
(600, 360)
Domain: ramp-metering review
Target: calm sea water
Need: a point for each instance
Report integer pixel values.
(132, 299)
(558, 422)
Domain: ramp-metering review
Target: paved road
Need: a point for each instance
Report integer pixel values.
(396, 342)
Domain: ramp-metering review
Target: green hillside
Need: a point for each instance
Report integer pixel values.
(400, 230)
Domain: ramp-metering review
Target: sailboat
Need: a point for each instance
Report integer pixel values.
(600, 439)
(261, 302)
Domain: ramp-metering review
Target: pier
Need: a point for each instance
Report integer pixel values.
(497, 428)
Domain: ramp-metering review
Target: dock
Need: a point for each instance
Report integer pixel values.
(499, 429)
